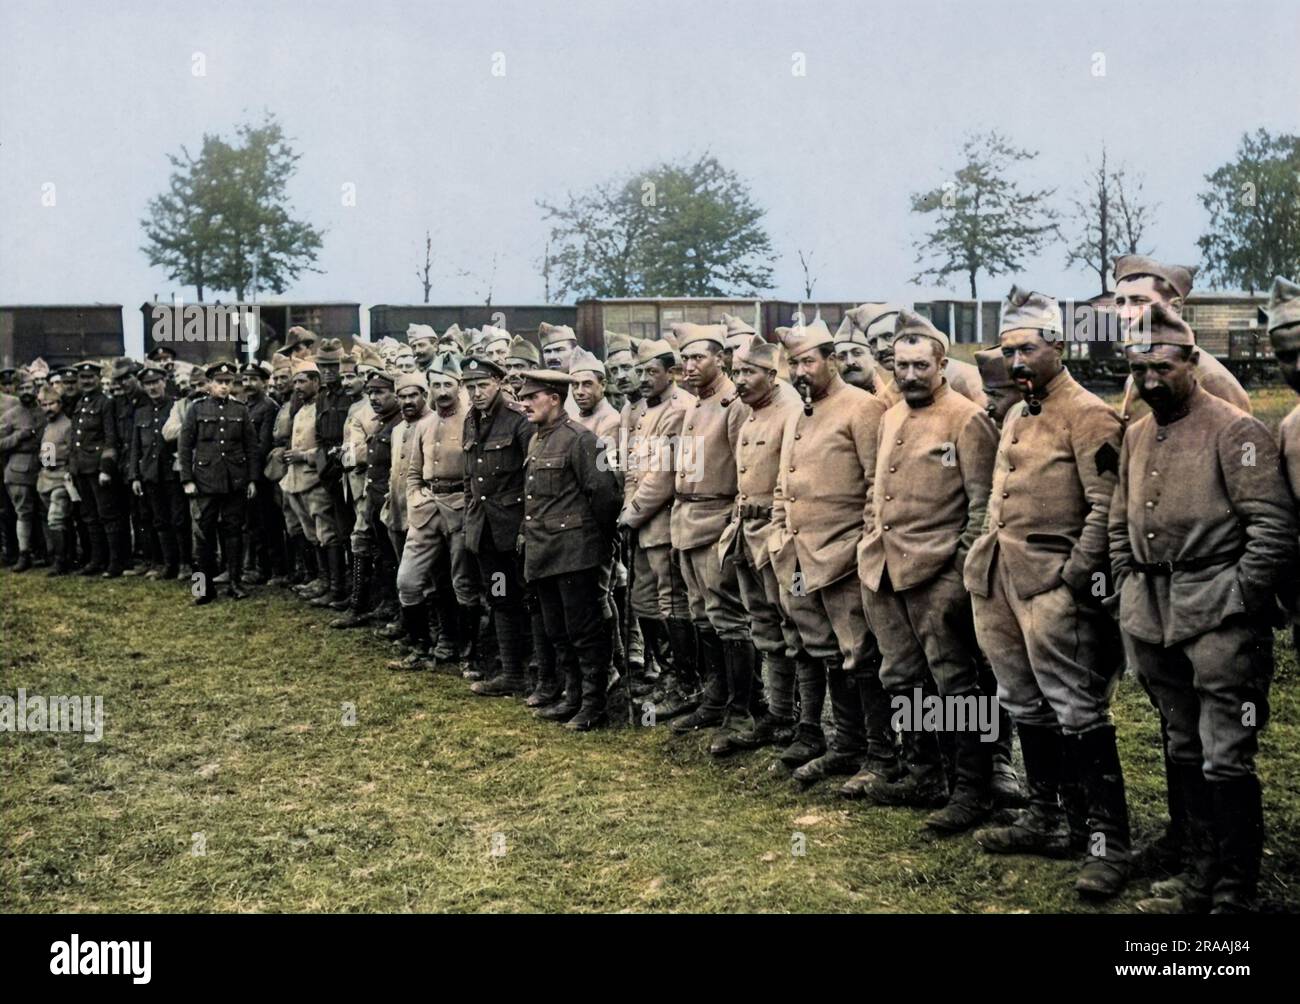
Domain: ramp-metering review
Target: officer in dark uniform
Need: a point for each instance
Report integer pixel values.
(219, 465)
(150, 470)
(265, 516)
(127, 397)
(95, 451)
(495, 441)
(571, 506)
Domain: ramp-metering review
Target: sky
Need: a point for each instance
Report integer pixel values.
(399, 100)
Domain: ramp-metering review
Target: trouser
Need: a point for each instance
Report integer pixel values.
(570, 608)
(361, 540)
(442, 538)
(8, 526)
(104, 519)
(225, 514)
(773, 634)
(385, 557)
(292, 526)
(26, 505)
(658, 589)
(57, 505)
(168, 514)
(713, 593)
(314, 512)
(1213, 693)
(266, 528)
(340, 510)
(1047, 652)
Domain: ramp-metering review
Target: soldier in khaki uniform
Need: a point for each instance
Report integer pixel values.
(827, 448)
(649, 478)
(620, 371)
(1202, 529)
(522, 355)
(928, 497)
(853, 353)
(559, 342)
(771, 405)
(875, 321)
(1037, 577)
(435, 515)
(702, 505)
(54, 478)
(309, 500)
(739, 335)
(1284, 334)
(423, 342)
(1002, 392)
(412, 627)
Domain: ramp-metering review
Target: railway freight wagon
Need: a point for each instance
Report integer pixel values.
(205, 332)
(390, 320)
(652, 318)
(61, 334)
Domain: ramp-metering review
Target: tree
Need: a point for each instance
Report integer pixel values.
(985, 221)
(225, 223)
(1254, 206)
(809, 280)
(423, 274)
(1111, 220)
(673, 230)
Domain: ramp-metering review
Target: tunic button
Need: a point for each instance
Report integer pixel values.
(1006, 495)
(889, 498)
(744, 442)
(793, 499)
(898, 442)
(798, 435)
(1014, 441)
(528, 517)
(689, 428)
(1001, 524)
(1011, 467)
(1151, 536)
(795, 532)
(480, 477)
(1155, 474)
(885, 527)
(893, 470)
(742, 470)
(791, 470)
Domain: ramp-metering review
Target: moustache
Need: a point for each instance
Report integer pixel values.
(1155, 395)
(1021, 373)
(852, 368)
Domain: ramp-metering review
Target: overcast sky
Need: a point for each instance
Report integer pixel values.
(399, 100)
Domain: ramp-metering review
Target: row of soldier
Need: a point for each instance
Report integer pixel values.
(759, 526)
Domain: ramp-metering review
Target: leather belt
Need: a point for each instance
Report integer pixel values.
(440, 486)
(1189, 564)
(681, 497)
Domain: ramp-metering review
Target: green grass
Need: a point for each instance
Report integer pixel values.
(226, 721)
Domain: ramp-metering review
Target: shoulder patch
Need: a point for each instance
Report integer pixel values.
(1107, 459)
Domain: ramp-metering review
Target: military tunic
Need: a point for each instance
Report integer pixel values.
(218, 454)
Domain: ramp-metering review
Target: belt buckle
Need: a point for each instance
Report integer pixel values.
(1164, 567)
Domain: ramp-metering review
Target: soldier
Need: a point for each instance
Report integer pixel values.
(412, 392)
(435, 514)
(570, 508)
(1202, 529)
(1140, 282)
(494, 343)
(1037, 576)
(300, 343)
(266, 517)
(739, 335)
(705, 497)
(309, 500)
(332, 406)
(558, 344)
(219, 465)
(1002, 392)
(772, 404)
(827, 451)
(876, 322)
(928, 497)
(197, 389)
(127, 397)
(94, 464)
(281, 377)
(53, 480)
(21, 427)
(452, 340)
(152, 471)
(423, 341)
(1284, 334)
(620, 369)
(523, 355)
(853, 353)
(658, 598)
(495, 441)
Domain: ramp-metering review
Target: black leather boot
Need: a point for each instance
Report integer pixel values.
(591, 713)
(1040, 828)
(684, 695)
(415, 623)
(971, 800)
(98, 552)
(511, 681)
(921, 784)
(1192, 891)
(234, 555)
(740, 664)
(570, 703)
(1239, 829)
(713, 674)
(362, 567)
(1095, 759)
(450, 619)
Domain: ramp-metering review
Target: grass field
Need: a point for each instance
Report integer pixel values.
(227, 722)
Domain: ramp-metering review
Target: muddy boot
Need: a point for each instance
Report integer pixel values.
(317, 583)
(971, 800)
(450, 618)
(1166, 854)
(98, 552)
(234, 554)
(511, 681)
(684, 695)
(921, 784)
(652, 633)
(569, 704)
(1095, 759)
(1193, 890)
(848, 746)
(62, 563)
(415, 626)
(713, 675)
(362, 564)
(591, 713)
(337, 570)
(1239, 830)
(740, 664)
(1041, 827)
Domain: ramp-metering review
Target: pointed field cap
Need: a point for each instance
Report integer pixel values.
(279, 361)
(1159, 325)
(367, 357)
(420, 333)
(403, 381)
(456, 337)
(653, 348)
(875, 320)
(993, 368)
(305, 366)
(550, 334)
(298, 335)
(803, 337)
(909, 322)
(1131, 266)
(616, 342)
(1284, 315)
(522, 348)
(688, 334)
(585, 362)
(759, 353)
(1026, 309)
(446, 364)
(737, 326)
(490, 335)
(848, 334)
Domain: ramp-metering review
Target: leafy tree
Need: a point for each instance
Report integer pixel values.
(1254, 206)
(225, 222)
(984, 220)
(673, 230)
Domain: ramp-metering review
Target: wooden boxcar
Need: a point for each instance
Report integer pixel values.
(60, 334)
(650, 318)
(328, 320)
(390, 320)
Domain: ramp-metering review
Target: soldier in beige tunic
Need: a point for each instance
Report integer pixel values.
(1284, 334)
(704, 498)
(1202, 529)
(309, 499)
(1038, 576)
(649, 478)
(771, 405)
(818, 506)
(853, 353)
(875, 322)
(927, 499)
(1000, 390)
(412, 628)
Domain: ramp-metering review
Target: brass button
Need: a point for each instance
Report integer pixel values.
(885, 527)
(1006, 495)
(1151, 536)
(1001, 524)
